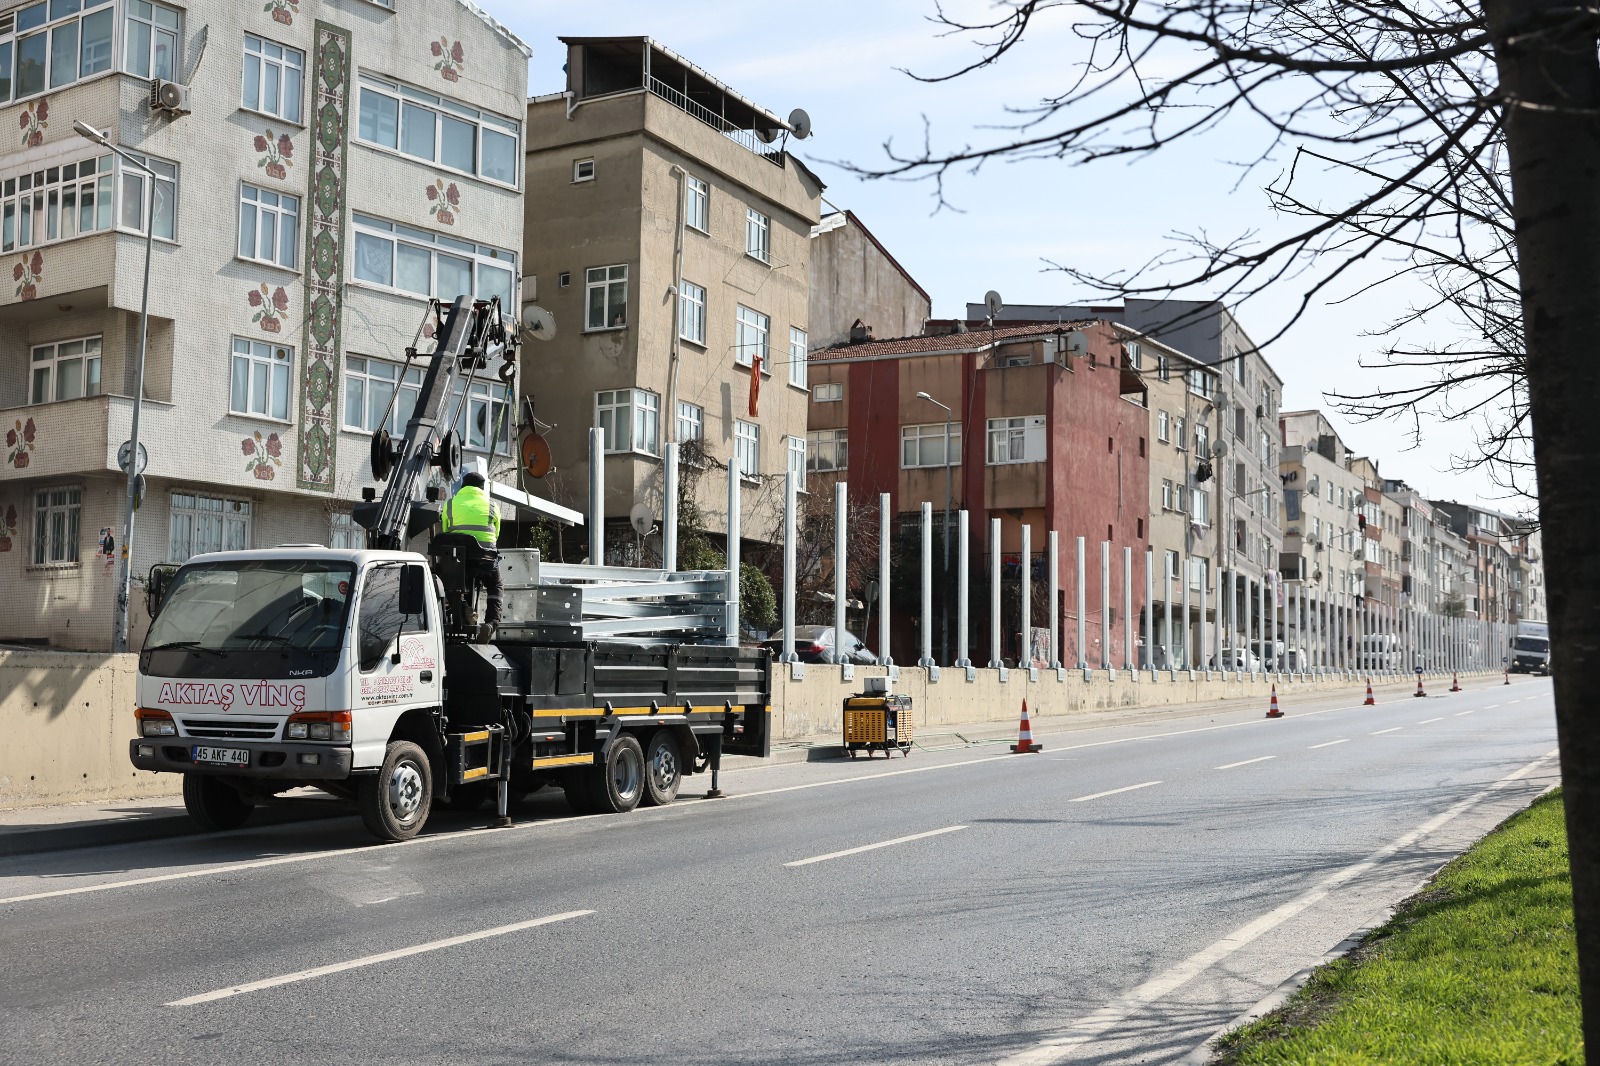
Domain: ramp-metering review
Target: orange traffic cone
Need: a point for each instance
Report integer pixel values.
(1455, 683)
(1419, 693)
(1273, 711)
(1369, 701)
(1025, 744)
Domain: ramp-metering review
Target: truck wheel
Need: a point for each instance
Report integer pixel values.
(394, 804)
(617, 786)
(214, 804)
(663, 764)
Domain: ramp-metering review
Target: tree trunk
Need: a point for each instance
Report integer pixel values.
(1553, 145)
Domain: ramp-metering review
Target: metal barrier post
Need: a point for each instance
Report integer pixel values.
(962, 595)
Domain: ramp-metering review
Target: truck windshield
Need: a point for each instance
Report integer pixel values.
(1531, 644)
(254, 605)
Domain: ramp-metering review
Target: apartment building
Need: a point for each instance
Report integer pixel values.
(858, 289)
(1324, 546)
(1047, 428)
(1490, 562)
(1379, 518)
(671, 241)
(319, 168)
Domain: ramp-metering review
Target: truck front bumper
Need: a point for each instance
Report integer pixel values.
(267, 759)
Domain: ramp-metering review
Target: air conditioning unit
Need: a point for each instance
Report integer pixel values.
(169, 96)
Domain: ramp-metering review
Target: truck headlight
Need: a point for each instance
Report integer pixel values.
(155, 723)
(319, 725)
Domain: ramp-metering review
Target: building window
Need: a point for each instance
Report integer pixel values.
(1180, 498)
(150, 40)
(922, 446)
(607, 293)
(697, 204)
(691, 422)
(416, 261)
(65, 371)
(828, 392)
(796, 448)
(260, 381)
(1164, 427)
(797, 357)
(1135, 356)
(1266, 448)
(692, 313)
(439, 130)
(344, 534)
(55, 45)
(1163, 370)
(1170, 565)
(757, 235)
(56, 203)
(751, 331)
(57, 516)
(203, 524)
(1200, 507)
(1238, 478)
(1197, 573)
(631, 419)
(827, 450)
(583, 170)
(1202, 442)
(369, 389)
(1166, 495)
(269, 226)
(1201, 384)
(273, 75)
(747, 447)
(488, 414)
(134, 193)
(1016, 440)
(1180, 433)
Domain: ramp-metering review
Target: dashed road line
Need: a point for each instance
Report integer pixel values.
(1112, 792)
(1430, 721)
(1391, 729)
(874, 847)
(1246, 762)
(1328, 744)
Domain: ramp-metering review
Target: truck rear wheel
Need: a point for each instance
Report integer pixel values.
(663, 765)
(617, 785)
(214, 804)
(394, 804)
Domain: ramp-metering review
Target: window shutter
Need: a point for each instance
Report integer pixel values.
(1034, 443)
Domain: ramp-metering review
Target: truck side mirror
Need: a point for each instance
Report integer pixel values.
(413, 585)
(157, 586)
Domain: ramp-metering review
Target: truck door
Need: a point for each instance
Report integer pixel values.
(397, 653)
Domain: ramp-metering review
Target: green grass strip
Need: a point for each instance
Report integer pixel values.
(1480, 968)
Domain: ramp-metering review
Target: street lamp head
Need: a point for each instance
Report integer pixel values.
(88, 132)
(923, 396)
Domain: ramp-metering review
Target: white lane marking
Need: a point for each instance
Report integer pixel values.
(1060, 1046)
(875, 847)
(1328, 744)
(1460, 713)
(1113, 792)
(1491, 707)
(1391, 729)
(1246, 762)
(373, 960)
(1430, 721)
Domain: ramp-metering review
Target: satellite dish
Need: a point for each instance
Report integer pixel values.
(1077, 343)
(800, 122)
(1219, 449)
(536, 457)
(540, 324)
(766, 136)
(643, 519)
(992, 301)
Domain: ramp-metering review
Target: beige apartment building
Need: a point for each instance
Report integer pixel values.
(1324, 551)
(670, 240)
(326, 168)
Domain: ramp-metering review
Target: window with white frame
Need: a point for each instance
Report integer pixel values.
(1180, 498)
(269, 226)
(751, 332)
(201, 524)
(134, 193)
(66, 370)
(1201, 384)
(1016, 440)
(55, 203)
(757, 235)
(1170, 565)
(485, 413)
(1200, 507)
(52, 45)
(343, 533)
(1164, 427)
(827, 450)
(1163, 370)
(691, 422)
(796, 448)
(438, 129)
(150, 40)
(57, 518)
(606, 294)
(692, 313)
(1202, 442)
(1135, 355)
(631, 419)
(416, 261)
(925, 445)
(747, 447)
(1197, 572)
(828, 392)
(582, 170)
(273, 76)
(697, 204)
(370, 388)
(259, 384)
(1166, 494)
(797, 357)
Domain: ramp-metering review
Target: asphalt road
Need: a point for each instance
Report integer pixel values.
(1114, 899)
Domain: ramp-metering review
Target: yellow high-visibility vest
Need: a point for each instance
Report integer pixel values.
(471, 511)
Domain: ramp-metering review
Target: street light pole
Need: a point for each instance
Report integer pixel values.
(119, 639)
(944, 601)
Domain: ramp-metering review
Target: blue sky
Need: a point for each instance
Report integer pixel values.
(838, 60)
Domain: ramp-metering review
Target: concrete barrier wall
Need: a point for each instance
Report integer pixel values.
(68, 716)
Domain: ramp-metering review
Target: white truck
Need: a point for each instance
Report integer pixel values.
(359, 671)
(1530, 649)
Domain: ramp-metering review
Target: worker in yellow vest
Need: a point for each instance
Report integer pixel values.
(470, 511)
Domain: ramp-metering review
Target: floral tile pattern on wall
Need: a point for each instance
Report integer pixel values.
(272, 305)
(34, 123)
(8, 527)
(277, 154)
(450, 58)
(263, 455)
(446, 202)
(27, 273)
(282, 11)
(20, 443)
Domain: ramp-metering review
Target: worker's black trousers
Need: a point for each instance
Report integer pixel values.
(487, 574)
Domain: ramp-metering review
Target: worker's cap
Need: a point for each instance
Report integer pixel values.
(473, 478)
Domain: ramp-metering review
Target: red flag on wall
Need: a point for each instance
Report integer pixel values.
(755, 384)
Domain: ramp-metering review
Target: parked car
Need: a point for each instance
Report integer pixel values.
(815, 644)
(1236, 660)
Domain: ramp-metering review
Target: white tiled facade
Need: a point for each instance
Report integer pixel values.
(229, 460)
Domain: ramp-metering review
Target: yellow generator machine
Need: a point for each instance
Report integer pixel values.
(877, 720)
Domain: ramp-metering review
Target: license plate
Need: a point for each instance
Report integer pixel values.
(221, 756)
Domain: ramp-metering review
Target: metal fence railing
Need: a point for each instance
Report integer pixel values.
(747, 138)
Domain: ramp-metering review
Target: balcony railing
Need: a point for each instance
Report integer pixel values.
(744, 137)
